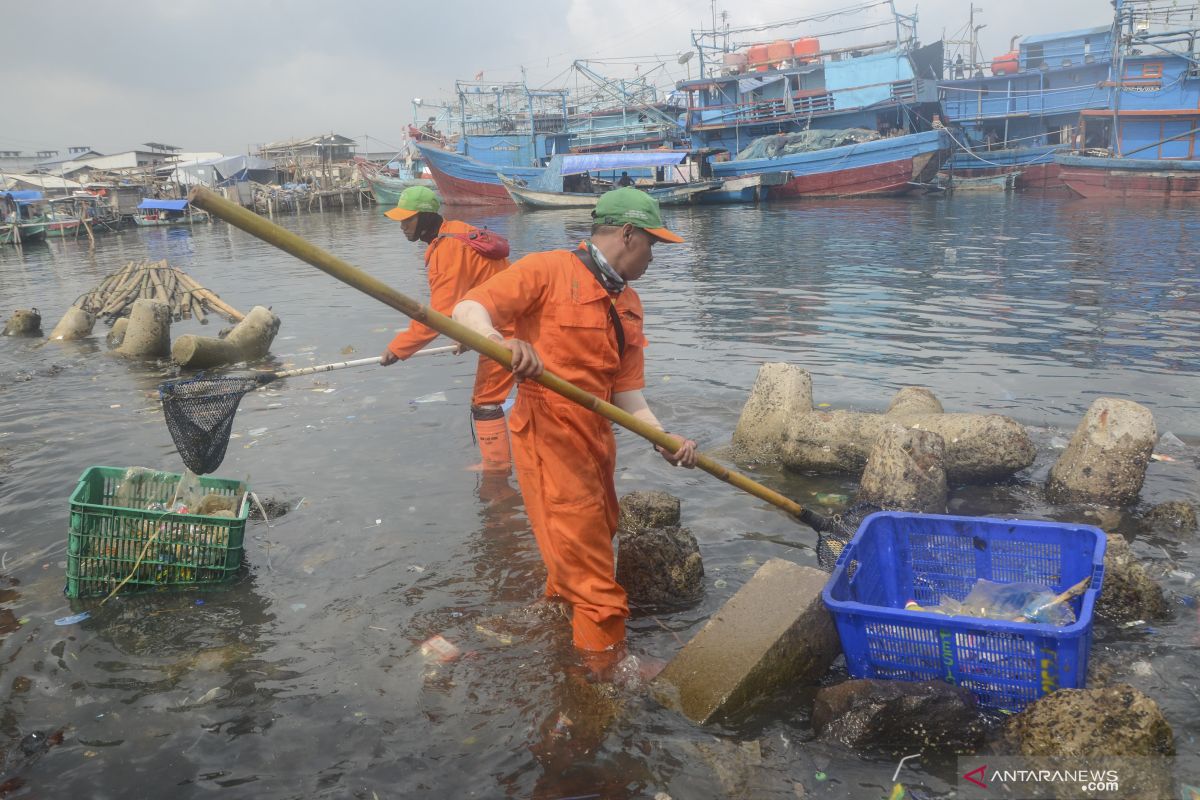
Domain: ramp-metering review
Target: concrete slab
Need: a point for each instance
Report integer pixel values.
(774, 631)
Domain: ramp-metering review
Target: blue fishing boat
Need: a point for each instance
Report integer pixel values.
(754, 89)
(1056, 100)
(1017, 118)
(1146, 144)
(504, 128)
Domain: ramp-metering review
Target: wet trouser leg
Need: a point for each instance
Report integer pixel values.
(565, 456)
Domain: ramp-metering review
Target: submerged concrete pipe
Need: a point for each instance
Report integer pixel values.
(75, 324)
(249, 340)
(148, 334)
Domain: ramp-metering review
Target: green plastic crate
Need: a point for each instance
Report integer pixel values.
(106, 540)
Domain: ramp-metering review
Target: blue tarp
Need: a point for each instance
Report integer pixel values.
(164, 205)
(574, 165)
(23, 197)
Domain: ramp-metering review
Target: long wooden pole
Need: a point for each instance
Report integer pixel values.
(327, 262)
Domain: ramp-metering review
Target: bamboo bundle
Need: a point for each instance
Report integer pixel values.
(115, 295)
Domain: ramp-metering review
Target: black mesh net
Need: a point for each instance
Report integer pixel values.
(832, 540)
(199, 415)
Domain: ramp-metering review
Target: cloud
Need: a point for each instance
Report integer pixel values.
(226, 73)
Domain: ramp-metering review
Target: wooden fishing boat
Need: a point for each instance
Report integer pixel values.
(20, 222)
(526, 197)
(22, 233)
(984, 183)
(153, 213)
(387, 189)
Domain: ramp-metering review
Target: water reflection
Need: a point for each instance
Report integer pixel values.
(1013, 305)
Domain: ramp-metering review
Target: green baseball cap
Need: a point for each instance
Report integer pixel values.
(635, 207)
(414, 200)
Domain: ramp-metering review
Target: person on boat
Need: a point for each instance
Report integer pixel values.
(575, 314)
(453, 268)
(585, 183)
(624, 180)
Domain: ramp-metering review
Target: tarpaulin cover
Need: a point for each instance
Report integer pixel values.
(24, 196)
(164, 205)
(574, 165)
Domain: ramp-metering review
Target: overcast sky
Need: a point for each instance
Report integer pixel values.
(222, 75)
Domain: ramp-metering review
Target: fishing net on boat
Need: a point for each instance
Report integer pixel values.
(199, 413)
(810, 141)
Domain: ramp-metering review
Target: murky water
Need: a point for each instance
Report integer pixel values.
(304, 679)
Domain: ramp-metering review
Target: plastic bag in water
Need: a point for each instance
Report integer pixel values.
(1012, 602)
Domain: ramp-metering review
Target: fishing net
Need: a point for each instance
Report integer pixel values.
(199, 414)
(838, 532)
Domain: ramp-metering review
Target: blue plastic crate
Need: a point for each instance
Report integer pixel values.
(896, 557)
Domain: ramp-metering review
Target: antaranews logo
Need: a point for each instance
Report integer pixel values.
(977, 775)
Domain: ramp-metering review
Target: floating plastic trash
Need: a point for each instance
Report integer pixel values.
(438, 648)
(71, 620)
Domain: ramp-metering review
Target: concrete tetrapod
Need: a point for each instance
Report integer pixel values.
(249, 340)
(149, 332)
(778, 423)
(1106, 459)
(23, 322)
(75, 324)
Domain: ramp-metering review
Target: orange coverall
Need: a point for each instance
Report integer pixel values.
(454, 268)
(565, 454)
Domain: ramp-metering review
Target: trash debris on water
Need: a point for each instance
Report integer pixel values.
(71, 620)
(831, 499)
(439, 648)
(824, 405)
(1142, 669)
(1171, 443)
(1160, 457)
(1059, 443)
(435, 397)
(951, 255)
(298, 606)
(348, 349)
(502, 638)
(115, 405)
(562, 727)
(1133, 623)
(1014, 602)
(415, 568)
(720, 583)
(256, 431)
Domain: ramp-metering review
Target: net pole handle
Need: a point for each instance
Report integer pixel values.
(360, 362)
(325, 261)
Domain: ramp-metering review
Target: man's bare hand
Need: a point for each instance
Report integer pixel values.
(388, 358)
(685, 456)
(526, 363)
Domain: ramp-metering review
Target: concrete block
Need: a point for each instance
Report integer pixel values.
(774, 631)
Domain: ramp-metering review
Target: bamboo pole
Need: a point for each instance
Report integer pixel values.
(345, 272)
(210, 297)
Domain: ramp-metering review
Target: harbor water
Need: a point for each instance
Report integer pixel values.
(305, 677)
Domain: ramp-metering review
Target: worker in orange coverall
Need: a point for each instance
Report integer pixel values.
(454, 267)
(566, 307)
